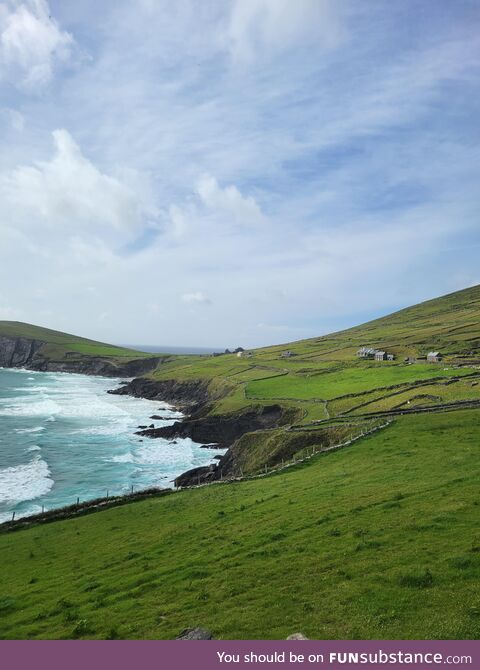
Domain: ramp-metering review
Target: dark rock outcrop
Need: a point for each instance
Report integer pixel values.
(91, 365)
(190, 394)
(223, 429)
(17, 352)
(195, 634)
(196, 476)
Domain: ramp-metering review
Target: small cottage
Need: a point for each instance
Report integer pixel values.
(380, 355)
(287, 354)
(390, 357)
(434, 357)
(366, 352)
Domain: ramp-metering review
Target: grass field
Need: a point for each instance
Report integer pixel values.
(379, 540)
(347, 381)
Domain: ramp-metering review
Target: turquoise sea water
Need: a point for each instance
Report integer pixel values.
(62, 437)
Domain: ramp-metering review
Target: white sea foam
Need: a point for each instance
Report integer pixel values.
(37, 429)
(123, 458)
(32, 389)
(25, 482)
(24, 371)
(41, 408)
(159, 452)
(91, 427)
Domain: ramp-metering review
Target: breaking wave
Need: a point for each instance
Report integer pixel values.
(25, 482)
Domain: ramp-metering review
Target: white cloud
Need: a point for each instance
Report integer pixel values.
(344, 179)
(229, 201)
(14, 118)
(31, 43)
(197, 298)
(69, 193)
(259, 27)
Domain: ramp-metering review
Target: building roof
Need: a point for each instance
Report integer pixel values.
(366, 350)
(433, 353)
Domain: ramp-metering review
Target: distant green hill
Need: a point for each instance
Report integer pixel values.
(60, 343)
(311, 375)
(22, 344)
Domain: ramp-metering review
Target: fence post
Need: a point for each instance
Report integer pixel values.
(107, 494)
(13, 516)
(43, 508)
(78, 501)
(132, 489)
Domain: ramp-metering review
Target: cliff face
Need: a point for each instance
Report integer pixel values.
(17, 352)
(185, 394)
(20, 352)
(222, 430)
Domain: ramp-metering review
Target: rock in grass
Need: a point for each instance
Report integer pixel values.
(195, 634)
(297, 636)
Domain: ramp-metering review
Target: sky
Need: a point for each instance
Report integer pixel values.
(235, 172)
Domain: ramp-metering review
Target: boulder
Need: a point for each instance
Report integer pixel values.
(195, 634)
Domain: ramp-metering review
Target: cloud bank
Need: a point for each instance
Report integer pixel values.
(31, 43)
(289, 169)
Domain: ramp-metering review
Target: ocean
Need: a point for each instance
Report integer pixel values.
(62, 437)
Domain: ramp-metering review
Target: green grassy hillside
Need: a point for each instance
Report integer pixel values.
(378, 540)
(58, 346)
(322, 371)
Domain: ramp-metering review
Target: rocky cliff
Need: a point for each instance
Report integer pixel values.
(223, 431)
(191, 394)
(19, 352)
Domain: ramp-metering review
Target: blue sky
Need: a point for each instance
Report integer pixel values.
(235, 172)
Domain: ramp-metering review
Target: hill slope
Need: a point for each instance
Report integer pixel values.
(376, 541)
(22, 344)
(321, 382)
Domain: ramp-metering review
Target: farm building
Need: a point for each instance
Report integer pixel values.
(366, 352)
(244, 354)
(377, 354)
(434, 357)
(287, 354)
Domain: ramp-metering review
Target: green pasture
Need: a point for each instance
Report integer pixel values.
(379, 540)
